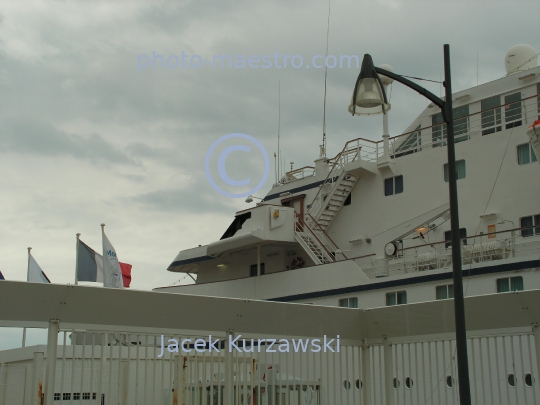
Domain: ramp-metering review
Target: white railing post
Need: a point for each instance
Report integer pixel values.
(52, 345)
(3, 381)
(179, 383)
(229, 375)
(366, 373)
(536, 331)
(37, 379)
(388, 372)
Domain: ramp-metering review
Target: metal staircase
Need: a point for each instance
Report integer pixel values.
(318, 245)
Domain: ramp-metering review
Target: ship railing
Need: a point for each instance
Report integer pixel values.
(298, 174)
(493, 246)
(488, 121)
(239, 352)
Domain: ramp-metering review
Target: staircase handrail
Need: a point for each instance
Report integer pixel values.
(303, 226)
(336, 160)
(326, 235)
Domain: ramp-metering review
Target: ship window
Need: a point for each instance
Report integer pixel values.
(462, 236)
(529, 222)
(510, 284)
(512, 110)
(393, 185)
(396, 298)
(411, 144)
(253, 270)
(525, 154)
(461, 126)
(347, 200)
(461, 172)
(491, 115)
(444, 292)
(349, 302)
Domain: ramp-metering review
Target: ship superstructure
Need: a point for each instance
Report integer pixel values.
(370, 226)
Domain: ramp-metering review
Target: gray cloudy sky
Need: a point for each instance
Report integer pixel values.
(86, 138)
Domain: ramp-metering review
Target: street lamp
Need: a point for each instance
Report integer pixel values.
(369, 97)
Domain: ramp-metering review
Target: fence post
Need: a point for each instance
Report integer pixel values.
(50, 376)
(179, 385)
(37, 379)
(3, 382)
(366, 373)
(536, 331)
(229, 375)
(388, 372)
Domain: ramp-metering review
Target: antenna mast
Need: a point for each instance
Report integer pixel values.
(323, 146)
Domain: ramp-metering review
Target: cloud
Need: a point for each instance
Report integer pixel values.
(36, 137)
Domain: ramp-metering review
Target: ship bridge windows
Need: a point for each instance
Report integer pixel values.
(393, 185)
(461, 171)
(510, 284)
(512, 110)
(525, 154)
(461, 126)
(351, 302)
(396, 298)
(491, 115)
(528, 223)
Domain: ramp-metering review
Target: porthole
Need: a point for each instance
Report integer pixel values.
(529, 380)
(511, 380)
(347, 385)
(358, 384)
(449, 381)
(396, 383)
(409, 382)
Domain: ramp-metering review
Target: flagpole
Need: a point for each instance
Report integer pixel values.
(77, 259)
(103, 251)
(27, 279)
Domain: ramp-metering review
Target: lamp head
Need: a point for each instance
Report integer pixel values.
(249, 199)
(369, 97)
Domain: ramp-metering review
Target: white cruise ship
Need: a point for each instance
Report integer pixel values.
(370, 227)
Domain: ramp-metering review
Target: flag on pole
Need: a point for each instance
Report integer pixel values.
(112, 273)
(35, 274)
(90, 266)
(1, 276)
(126, 274)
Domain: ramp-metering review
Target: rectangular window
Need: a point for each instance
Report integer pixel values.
(491, 115)
(444, 292)
(396, 298)
(530, 222)
(525, 154)
(462, 236)
(460, 170)
(347, 200)
(461, 126)
(510, 284)
(348, 302)
(512, 110)
(393, 185)
(253, 270)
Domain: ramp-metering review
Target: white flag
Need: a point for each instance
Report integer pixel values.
(35, 274)
(112, 274)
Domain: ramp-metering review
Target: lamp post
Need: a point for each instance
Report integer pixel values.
(369, 98)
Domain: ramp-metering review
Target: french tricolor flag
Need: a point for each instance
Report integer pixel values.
(90, 266)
